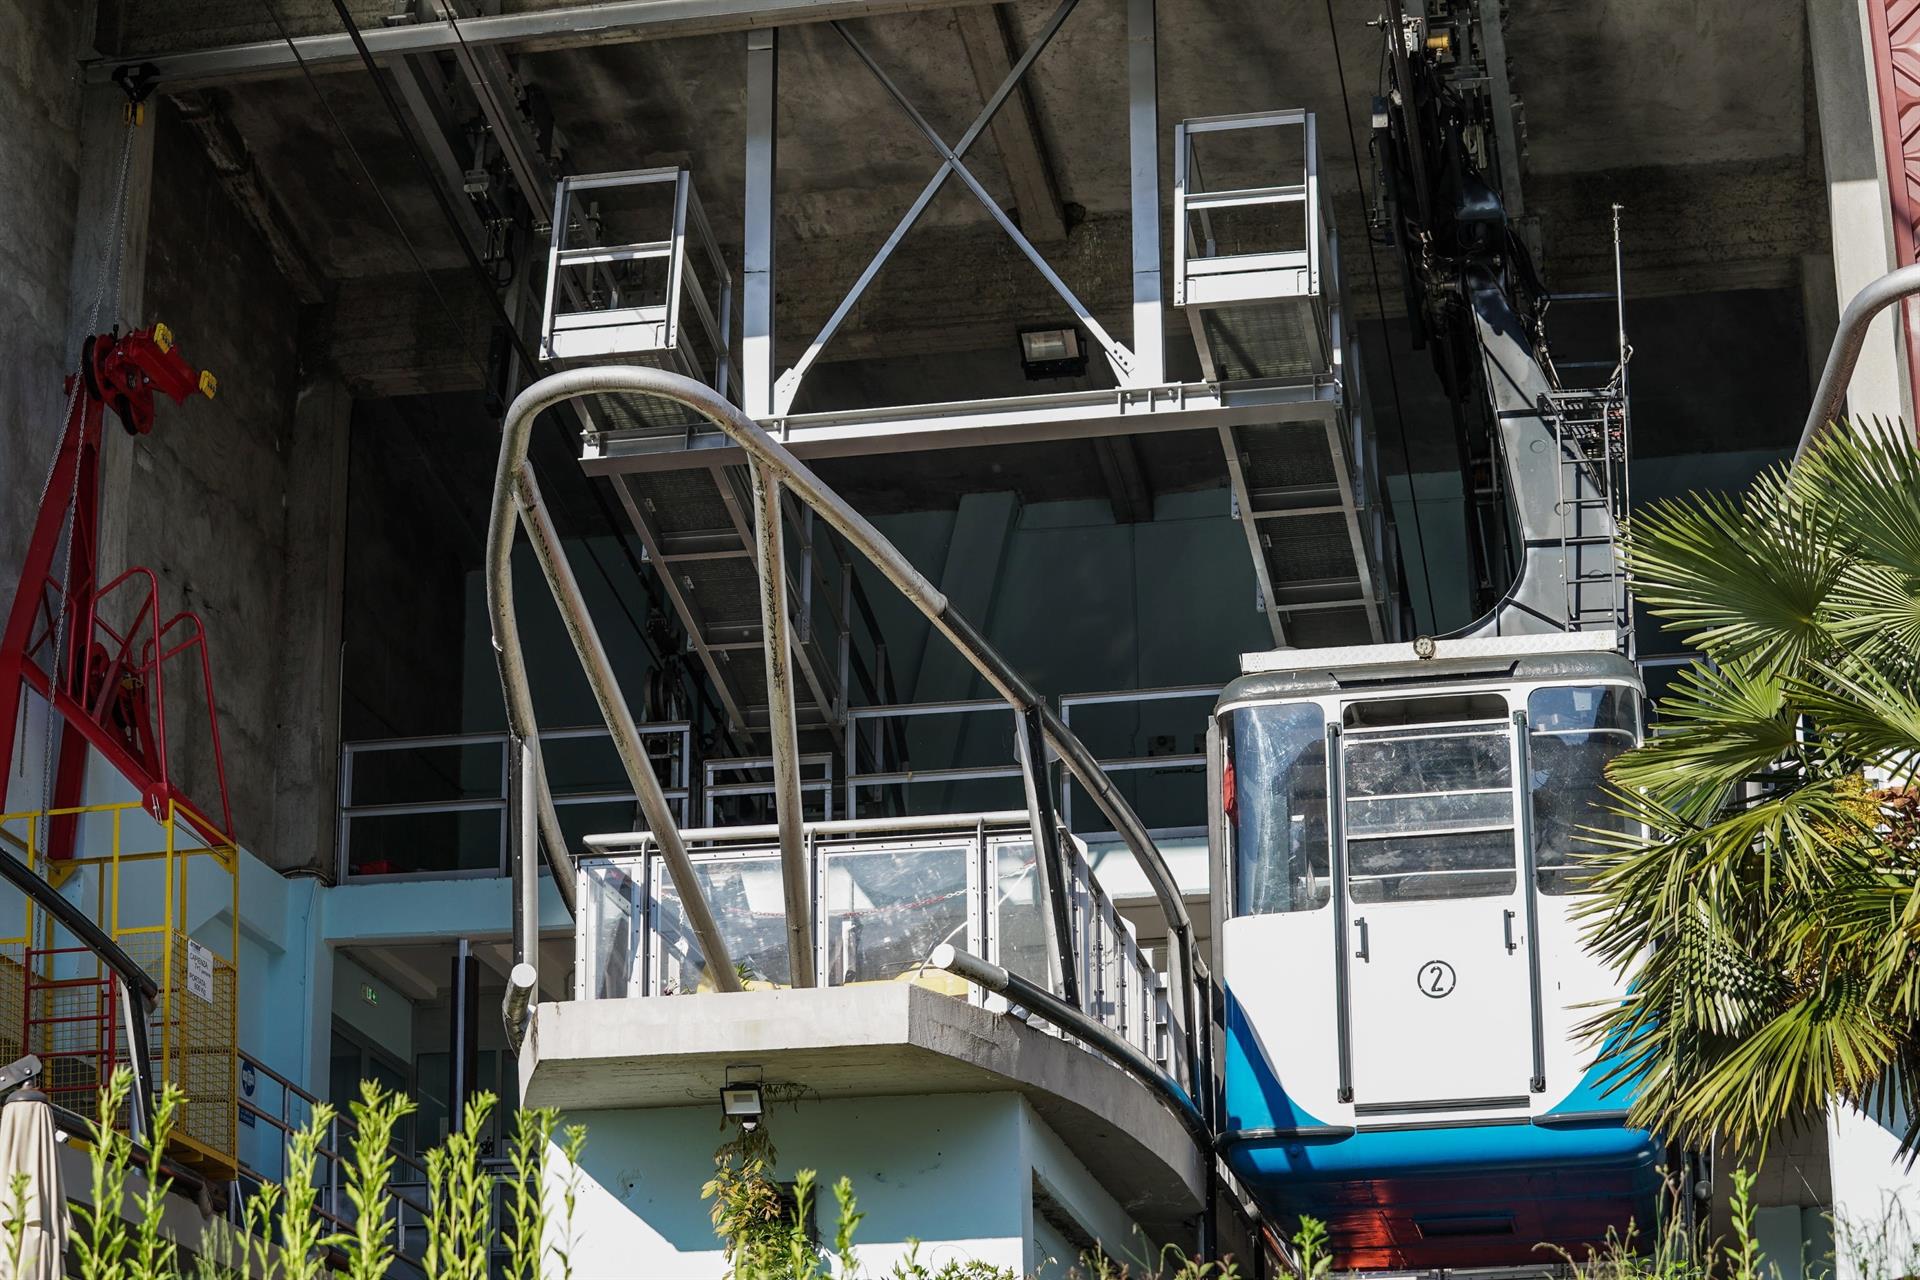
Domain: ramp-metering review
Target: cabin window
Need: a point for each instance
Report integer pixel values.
(1574, 732)
(1276, 802)
(1428, 795)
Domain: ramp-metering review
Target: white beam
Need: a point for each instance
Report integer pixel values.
(560, 26)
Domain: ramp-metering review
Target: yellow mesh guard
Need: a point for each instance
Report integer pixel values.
(172, 902)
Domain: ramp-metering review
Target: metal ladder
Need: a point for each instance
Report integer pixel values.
(1590, 428)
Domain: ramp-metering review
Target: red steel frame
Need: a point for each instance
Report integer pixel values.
(1893, 29)
(106, 681)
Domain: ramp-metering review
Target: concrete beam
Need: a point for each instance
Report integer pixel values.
(1016, 131)
(866, 1041)
(231, 159)
(1127, 485)
(171, 38)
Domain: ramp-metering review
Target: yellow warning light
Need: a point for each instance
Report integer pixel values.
(162, 337)
(1440, 41)
(209, 385)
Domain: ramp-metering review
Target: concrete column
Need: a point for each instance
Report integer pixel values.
(1857, 201)
(307, 698)
(1819, 311)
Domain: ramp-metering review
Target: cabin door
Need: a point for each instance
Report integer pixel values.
(1439, 1011)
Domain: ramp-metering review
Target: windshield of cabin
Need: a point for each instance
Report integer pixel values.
(1428, 785)
(1575, 730)
(1275, 792)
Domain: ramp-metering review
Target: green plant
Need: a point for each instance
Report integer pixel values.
(20, 1194)
(369, 1179)
(1769, 914)
(101, 1245)
(460, 1195)
(526, 1194)
(153, 1253)
(1310, 1249)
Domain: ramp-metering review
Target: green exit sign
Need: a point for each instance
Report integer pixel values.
(368, 994)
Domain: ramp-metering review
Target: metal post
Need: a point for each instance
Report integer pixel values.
(1143, 149)
(756, 275)
(1337, 850)
(1523, 819)
(1030, 748)
(463, 1047)
(770, 550)
(523, 807)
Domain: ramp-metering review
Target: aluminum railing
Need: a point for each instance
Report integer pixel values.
(447, 796)
(886, 893)
(272, 1109)
(874, 766)
(448, 793)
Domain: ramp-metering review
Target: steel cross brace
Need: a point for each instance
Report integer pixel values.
(951, 163)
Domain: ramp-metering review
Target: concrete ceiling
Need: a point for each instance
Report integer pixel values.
(1617, 85)
(1694, 116)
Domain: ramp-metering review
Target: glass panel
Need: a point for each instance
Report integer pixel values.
(426, 774)
(1416, 762)
(1022, 907)
(748, 903)
(1399, 815)
(574, 765)
(409, 843)
(613, 936)
(1575, 731)
(1275, 794)
(1475, 864)
(582, 818)
(1165, 797)
(940, 795)
(886, 910)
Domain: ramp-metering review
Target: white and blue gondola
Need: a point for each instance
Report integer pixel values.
(1397, 840)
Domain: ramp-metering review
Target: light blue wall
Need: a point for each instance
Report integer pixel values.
(947, 1170)
(386, 1021)
(431, 910)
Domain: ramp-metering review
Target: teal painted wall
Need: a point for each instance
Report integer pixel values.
(944, 1170)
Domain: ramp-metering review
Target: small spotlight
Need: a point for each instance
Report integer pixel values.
(742, 1102)
(1052, 353)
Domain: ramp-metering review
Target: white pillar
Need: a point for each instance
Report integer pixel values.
(1857, 201)
(756, 338)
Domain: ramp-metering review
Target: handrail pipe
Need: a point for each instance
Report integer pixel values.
(779, 462)
(516, 494)
(1847, 342)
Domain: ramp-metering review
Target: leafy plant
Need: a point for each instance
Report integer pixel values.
(1769, 914)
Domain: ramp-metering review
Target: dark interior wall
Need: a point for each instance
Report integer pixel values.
(410, 542)
(210, 486)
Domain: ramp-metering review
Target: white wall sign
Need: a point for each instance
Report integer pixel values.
(199, 971)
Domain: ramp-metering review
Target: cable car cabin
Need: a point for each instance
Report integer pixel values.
(1395, 837)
